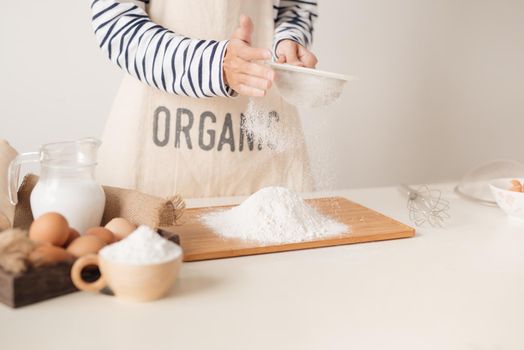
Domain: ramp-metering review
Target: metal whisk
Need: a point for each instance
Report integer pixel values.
(426, 205)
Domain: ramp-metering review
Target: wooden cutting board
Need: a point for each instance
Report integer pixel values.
(201, 243)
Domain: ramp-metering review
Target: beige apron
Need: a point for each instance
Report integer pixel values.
(163, 144)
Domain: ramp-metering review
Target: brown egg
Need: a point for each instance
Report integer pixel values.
(73, 234)
(51, 228)
(103, 233)
(47, 254)
(516, 186)
(84, 245)
(120, 227)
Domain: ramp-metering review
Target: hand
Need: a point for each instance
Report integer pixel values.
(289, 51)
(241, 73)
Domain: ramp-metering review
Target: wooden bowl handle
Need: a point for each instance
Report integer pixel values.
(76, 274)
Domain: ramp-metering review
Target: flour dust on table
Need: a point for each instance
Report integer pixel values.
(273, 215)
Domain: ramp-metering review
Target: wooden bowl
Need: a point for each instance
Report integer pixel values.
(130, 282)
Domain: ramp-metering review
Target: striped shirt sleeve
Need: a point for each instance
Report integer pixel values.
(294, 20)
(155, 55)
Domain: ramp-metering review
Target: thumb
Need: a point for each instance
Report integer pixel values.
(244, 31)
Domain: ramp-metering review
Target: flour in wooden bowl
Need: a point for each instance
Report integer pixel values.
(273, 215)
(143, 246)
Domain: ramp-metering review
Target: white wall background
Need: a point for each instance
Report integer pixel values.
(441, 84)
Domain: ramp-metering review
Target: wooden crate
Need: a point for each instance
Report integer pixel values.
(36, 284)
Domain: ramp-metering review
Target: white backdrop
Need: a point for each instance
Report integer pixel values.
(441, 84)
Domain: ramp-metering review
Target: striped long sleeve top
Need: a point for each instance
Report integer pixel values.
(177, 64)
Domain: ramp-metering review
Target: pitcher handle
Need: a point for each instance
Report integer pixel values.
(14, 173)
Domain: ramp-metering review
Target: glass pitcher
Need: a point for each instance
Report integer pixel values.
(67, 182)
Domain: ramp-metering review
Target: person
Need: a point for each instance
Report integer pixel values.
(176, 125)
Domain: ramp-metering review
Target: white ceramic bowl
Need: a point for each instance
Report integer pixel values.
(511, 202)
(306, 87)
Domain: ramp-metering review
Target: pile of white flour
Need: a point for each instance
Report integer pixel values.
(142, 247)
(273, 215)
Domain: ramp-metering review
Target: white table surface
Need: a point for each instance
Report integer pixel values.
(461, 287)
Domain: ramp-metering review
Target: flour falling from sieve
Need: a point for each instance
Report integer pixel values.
(268, 128)
(273, 215)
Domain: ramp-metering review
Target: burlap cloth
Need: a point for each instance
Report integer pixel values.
(136, 207)
(7, 211)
